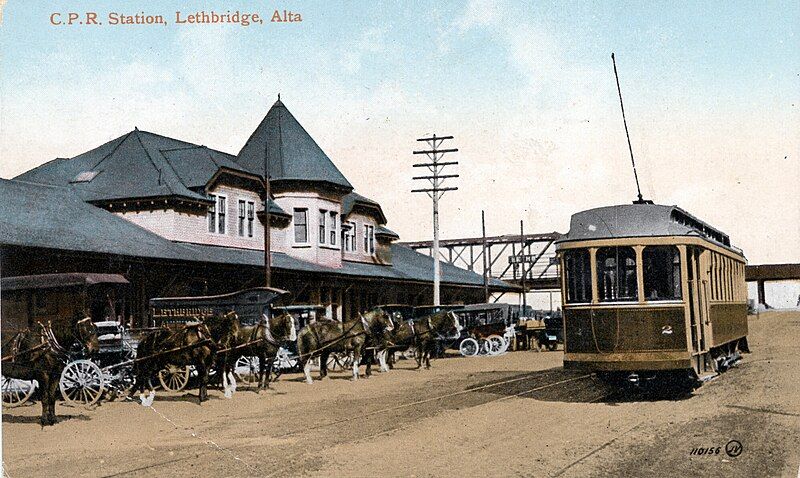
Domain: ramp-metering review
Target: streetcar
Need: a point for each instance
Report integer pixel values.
(649, 290)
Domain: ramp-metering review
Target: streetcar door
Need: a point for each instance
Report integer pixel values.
(700, 291)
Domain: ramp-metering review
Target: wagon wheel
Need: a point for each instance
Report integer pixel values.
(16, 392)
(284, 360)
(121, 382)
(247, 370)
(469, 347)
(174, 378)
(496, 344)
(335, 363)
(82, 383)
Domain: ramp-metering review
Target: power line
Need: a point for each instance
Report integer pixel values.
(435, 166)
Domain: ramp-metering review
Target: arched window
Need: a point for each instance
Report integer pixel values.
(662, 273)
(616, 274)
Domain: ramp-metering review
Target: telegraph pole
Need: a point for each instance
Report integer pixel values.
(435, 192)
(485, 272)
(267, 238)
(524, 268)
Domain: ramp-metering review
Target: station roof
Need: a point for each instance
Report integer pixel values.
(66, 279)
(640, 220)
(55, 217)
(292, 152)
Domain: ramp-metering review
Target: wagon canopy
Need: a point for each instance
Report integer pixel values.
(52, 281)
(248, 304)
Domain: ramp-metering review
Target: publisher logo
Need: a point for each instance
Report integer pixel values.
(733, 448)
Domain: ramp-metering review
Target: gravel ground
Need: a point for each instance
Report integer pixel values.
(519, 414)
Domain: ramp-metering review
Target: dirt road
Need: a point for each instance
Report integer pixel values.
(515, 415)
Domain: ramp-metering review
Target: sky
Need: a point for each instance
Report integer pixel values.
(527, 89)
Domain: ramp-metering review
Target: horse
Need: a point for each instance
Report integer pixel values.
(261, 340)
(39, 355)
(188, 344)
(224, 328)
(429, 330)
(400, 339)
(321, 338)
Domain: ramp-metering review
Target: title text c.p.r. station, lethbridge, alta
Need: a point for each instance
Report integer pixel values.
(180, 18)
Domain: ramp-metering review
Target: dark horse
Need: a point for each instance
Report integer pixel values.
(39, 354)
(321, 338)
(261, 340)
(183, 345)
(423, 333)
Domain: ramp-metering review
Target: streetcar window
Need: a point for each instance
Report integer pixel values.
(662, 272)
(616, 274)
(579, 275)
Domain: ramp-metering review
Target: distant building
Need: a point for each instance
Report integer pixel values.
(182, 219)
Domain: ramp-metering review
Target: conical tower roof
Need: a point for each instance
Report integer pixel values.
(293, 154)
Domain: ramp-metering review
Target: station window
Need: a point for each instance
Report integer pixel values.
(369, 239)
(333, 228)
(216, 214)
(242, 208)
(662, 272)
(251, 215)
(212, 215)
(301, 225)
(578, 275)
(616, 274)
(322, 215)
(349, 236)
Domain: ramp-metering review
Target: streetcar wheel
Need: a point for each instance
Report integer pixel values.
(468, 347)
(174, 378)
(246, 370)
(16, 392)
(82, 383)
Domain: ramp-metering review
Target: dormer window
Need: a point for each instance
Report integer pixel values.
(349, 236)
(216, 214)
(369, 239)
(85, 176)
(246, 215)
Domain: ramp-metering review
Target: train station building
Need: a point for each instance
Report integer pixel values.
(177, 219)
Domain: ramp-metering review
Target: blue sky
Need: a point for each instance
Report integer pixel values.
(527, 89)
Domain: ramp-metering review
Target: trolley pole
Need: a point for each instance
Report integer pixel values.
(435, 192)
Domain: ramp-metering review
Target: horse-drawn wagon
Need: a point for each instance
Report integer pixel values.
(251, 306)
(49, 335)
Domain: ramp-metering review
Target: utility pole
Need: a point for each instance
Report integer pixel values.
(524, 269)
(435, 192)
(485, 272)
(267, 238)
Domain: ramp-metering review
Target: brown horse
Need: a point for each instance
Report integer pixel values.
(187, 344)
(261, 340)
(39, 354)
(321, 338)
(432, 329)
(403, 337)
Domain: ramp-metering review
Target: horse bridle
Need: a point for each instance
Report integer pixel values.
(78, 333)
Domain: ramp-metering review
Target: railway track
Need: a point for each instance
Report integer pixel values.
(557, 383)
